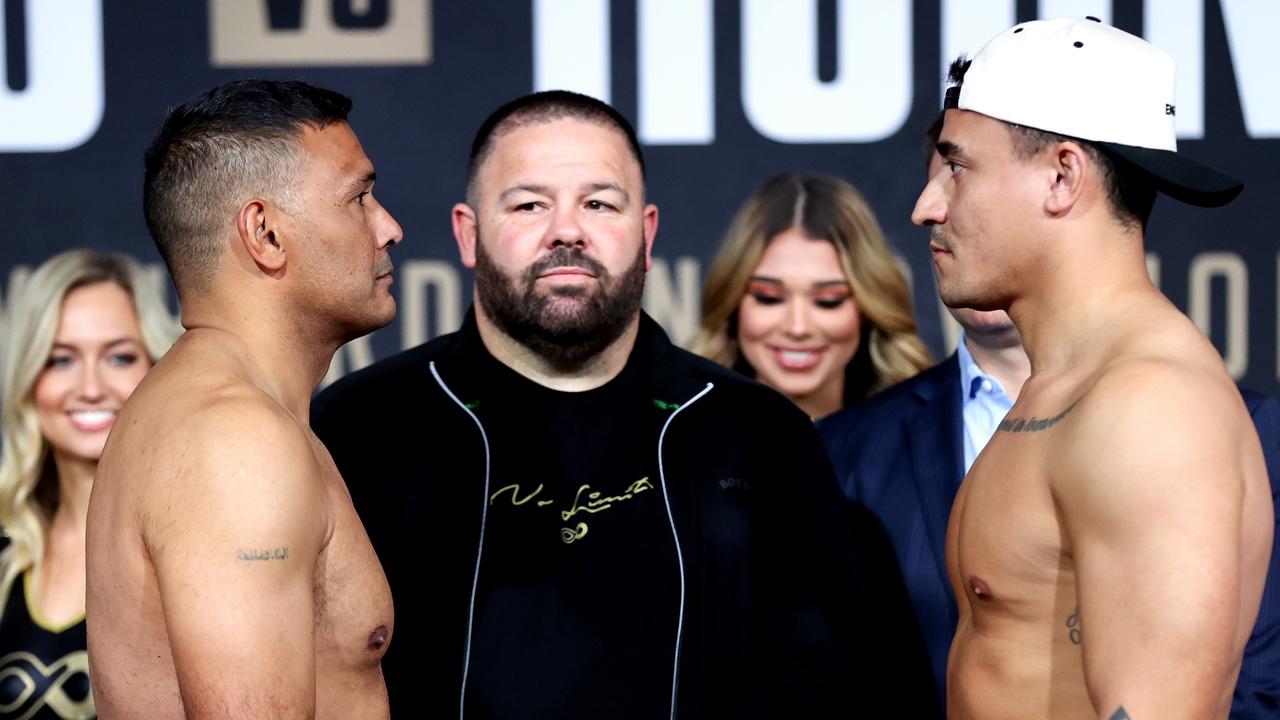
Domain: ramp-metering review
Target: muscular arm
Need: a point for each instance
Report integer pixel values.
(234, 524)
(1150, 485)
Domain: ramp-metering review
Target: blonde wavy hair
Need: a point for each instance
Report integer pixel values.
(825, 207)
(28, 480)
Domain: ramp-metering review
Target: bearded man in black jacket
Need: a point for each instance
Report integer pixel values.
(578, 519)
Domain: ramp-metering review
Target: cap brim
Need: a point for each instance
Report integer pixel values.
(1178, 176)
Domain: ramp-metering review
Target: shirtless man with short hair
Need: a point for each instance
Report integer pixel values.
(228, 574)
(1110, 544)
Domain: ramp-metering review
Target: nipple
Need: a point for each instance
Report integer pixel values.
(979, 588)
(378, 637)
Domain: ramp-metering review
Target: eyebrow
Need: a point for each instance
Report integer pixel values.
(599, 186)
(950, 150)
(364, 179)
(778, 281)
(526, 187)
(545, 190)
(108, 344)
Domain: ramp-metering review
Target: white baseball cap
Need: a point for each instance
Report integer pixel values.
(1090, 81)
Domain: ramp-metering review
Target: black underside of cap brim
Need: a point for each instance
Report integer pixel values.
(1178, 176)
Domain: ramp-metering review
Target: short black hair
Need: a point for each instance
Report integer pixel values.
(543, 107)
(215, 150)
(1130, 191)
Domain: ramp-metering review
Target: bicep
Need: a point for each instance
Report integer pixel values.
(235, 561)
(1152, 514)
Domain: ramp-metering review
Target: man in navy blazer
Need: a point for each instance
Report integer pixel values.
(902, 455)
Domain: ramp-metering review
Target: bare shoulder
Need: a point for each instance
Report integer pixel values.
(1146, 423)
(239, 460)
(1143, 392)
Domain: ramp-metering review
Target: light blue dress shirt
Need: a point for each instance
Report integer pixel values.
(985, 404)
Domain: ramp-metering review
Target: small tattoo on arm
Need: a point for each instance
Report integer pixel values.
(1033, 423)
(280, 553)
(1120, 714)
(1073, 627)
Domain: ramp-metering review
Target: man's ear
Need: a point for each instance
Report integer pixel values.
(465, 232)
(1072, 167)
(650, 232)
(259, 237)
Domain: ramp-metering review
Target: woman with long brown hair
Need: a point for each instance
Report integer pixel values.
(805, 296)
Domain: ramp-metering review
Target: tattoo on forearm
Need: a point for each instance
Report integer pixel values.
(1073, 626)
(1120, 714)
(280, 553)
(1033, 423)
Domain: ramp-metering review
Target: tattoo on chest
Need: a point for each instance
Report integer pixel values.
(261, 554)
(1120, 714)
(1033, 423)
(1073, 627)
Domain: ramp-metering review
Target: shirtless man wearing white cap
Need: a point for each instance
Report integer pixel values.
(1110, 544)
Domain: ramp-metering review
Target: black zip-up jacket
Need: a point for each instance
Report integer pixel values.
(785, 612)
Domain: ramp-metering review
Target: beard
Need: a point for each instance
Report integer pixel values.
(566, 326)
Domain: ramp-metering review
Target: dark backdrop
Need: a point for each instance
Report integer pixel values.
(725, 94)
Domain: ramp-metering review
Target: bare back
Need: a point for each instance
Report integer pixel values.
(1110, 545)
(228, 574)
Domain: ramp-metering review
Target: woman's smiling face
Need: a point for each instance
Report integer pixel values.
(798, 323)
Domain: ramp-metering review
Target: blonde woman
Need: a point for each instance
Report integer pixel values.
(805, 297)
(78, 338)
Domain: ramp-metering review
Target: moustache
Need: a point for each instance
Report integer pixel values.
(384, 267)
(564, 256)
(935, 234)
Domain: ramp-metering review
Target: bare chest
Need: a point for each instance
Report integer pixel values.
(354, 614)
(1005, 544)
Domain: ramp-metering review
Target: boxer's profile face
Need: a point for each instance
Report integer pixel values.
(980, 207)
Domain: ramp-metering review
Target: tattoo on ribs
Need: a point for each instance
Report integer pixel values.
(1073, 627)
(1033, 423)
(280, 553)
(1120, 714)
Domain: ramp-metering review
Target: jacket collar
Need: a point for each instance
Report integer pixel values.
(462, 364)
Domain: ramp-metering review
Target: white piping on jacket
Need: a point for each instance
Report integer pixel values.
(484, 516)
(666, 498)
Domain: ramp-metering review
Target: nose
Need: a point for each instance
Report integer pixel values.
(797, 322)
(91, 385)
(565, 227)
(389, 231)
(931, 206)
